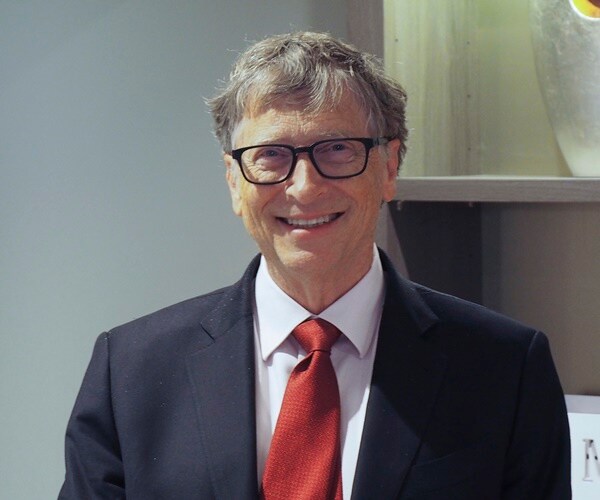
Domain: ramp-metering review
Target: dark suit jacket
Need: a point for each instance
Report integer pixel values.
(464, 404)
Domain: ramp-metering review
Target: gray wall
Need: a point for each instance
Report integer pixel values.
(541, 266)
(112, 198)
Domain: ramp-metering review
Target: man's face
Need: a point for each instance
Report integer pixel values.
(309, 224)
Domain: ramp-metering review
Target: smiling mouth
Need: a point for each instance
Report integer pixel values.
(310, 223)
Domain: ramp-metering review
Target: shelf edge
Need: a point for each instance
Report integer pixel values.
(499, 189)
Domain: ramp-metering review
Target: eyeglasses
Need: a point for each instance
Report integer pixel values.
(333, 159)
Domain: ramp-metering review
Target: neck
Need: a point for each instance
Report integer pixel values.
(317, 289)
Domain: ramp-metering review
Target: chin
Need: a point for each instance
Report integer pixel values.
(303, 260)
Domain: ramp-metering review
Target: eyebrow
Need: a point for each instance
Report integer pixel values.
(320, 137)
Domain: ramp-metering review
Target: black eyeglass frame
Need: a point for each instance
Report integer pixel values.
(368, 142)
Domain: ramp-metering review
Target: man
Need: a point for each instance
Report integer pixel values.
(421, 395)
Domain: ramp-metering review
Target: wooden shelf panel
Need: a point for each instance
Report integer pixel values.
(484, 188)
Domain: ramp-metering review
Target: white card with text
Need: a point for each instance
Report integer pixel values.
(584, 420)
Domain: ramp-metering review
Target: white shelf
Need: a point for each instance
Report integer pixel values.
(488, 188)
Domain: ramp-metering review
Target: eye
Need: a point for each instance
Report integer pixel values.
(332, 147)
(267, 157)
(268, 153)
(339, 146)
(337, 151)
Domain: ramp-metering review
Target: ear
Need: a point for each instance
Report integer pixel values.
(391, 170)
(233, 181)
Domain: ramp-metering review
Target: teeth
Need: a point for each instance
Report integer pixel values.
(311, 222)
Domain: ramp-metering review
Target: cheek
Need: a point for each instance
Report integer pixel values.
(253, 203)
(374, 193)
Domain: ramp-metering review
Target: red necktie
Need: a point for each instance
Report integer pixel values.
(304, 460)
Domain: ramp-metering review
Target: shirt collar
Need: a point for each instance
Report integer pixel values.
(356, 314)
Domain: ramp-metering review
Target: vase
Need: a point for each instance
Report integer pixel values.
(566, 43)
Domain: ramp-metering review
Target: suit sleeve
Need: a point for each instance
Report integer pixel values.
(94, 469)
(538, 461)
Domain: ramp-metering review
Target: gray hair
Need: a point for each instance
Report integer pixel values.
(312, 69)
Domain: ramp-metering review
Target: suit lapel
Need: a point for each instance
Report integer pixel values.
(406, 376)
(222, 376)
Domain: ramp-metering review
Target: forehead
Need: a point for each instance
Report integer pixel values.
(289, 122)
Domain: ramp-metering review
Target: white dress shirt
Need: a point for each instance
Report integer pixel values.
(357, 315)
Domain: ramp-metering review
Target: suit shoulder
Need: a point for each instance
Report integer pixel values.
(178, 318)
(450, 319)
(190, 324)
(474, 320)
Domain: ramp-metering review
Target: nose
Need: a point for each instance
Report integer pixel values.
(305, 183)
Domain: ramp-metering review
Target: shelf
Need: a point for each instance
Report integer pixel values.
(488, 188)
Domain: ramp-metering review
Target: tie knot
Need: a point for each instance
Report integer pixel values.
(316, 335)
